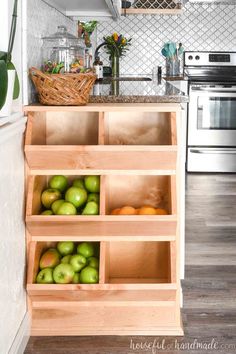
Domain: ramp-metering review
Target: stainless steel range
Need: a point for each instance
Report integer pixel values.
(211, 112)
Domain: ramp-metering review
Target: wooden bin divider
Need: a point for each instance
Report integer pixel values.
(101, 128)
(103, 271)
(173, 128)
(102, 195)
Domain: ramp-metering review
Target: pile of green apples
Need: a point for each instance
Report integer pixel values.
(68, 263)
(80, 198)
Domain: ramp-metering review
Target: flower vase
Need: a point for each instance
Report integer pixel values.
(115, 65)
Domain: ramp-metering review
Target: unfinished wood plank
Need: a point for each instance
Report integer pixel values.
(108, 107)
(78, 321)
(101, 129)
(173, 127)
(136, 226)
(102, 266)
(102, 159)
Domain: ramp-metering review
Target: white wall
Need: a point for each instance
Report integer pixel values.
(12, 234)
(41, 20)
(12, 227)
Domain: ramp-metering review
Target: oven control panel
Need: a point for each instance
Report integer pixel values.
(219, 58)
(209, 59)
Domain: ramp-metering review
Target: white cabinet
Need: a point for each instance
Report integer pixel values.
(91, 8)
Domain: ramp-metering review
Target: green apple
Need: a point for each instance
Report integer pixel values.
(92, 183)
(76, 196)
(93, 262)
(86, 249)
(79, 183)
(65, 247)
(56, 205)
(93, 197)
(49, 196)
(66, 259)
(47, 212)
(89, 275)
(58, 182)
(78, 262)
(63, 274)
(76, 279)
(49, 259)
(45, 276)
(91, 208)
(67, 209)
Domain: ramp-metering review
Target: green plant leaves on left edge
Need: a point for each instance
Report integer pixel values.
(16, 92)
(3, 82)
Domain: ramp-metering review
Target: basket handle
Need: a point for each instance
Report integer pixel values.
(36, 72)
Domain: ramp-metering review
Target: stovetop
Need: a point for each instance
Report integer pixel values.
(210, 66)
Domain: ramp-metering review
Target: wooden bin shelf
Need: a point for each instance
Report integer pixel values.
(134, 280)
(115, 192)
(104, 142)
(123, 265)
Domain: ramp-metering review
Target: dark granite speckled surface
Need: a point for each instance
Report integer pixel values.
(134, 91)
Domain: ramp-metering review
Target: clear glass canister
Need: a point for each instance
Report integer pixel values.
(63, 52)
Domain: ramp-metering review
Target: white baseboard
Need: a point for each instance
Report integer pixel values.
(22, 337)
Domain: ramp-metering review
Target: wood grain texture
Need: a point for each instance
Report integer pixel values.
(108, 107)
(210, 285)
(100, 159)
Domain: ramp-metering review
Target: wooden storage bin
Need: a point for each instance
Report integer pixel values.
(133, 147)
(139, 128)
(115, 191)
(78, 141)
(138, 263)
(63, 128)
(139, 190)
(37, 184)
(36, 249)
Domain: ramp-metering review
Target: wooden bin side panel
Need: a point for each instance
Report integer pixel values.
(36, 129)
(36, 184)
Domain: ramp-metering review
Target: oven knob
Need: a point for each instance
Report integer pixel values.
(190, 57)
(197, 57)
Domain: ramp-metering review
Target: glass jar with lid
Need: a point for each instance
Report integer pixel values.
(63, 52)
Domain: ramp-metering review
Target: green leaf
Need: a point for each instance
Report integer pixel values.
(16, 92)
(3, 56)
(3, 83)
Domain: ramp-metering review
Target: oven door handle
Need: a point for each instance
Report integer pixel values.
(227, 90)
(213, 151)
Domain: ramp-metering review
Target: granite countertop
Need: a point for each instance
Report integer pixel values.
(136, 91)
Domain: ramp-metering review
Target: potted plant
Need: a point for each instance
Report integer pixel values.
(9, 81)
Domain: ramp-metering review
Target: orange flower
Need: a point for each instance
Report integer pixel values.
(123, 41)
(115, 36)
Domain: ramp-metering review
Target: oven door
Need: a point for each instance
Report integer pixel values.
(212, 115)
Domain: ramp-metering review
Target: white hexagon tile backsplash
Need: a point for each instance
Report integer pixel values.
(200, 27)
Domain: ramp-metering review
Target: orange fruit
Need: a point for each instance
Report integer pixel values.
(115, 211)
(147, 210)
(127, 210)
(160, 211)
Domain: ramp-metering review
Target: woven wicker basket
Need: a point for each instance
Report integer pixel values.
(62, 89)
